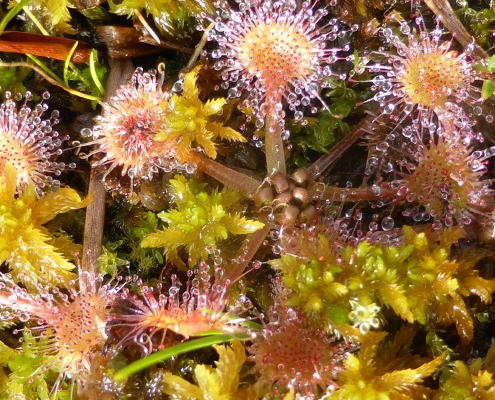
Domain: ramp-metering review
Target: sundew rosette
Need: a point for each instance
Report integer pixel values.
(152, 319)
(29, 142)
(277, 53)
(68, 325)
(439, 176)
(423, 78)
(447, 183)
(290, 354)
(123, 135)
(145, 129)
(274, 51)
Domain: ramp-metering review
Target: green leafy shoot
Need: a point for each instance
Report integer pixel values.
(491, 64)
(91, 79)
(11, 79)
(488, 87)
(146, 226)
(29, 372)
(6, 355)
(200, 221)
(474, 381)
(437, 344)
(146, 258)
(109, 261)
(480, 22)
(319, 134)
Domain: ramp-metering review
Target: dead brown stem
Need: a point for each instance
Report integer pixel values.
(444, 11)
(120, 71)
(339, 149)
(361, 193)
(274, 146)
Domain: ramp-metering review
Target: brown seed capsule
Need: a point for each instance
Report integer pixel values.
(309, 214)
(300, 176)
(280, 183)
(301, 195)
(264, 196)
(288, 216)
(284, 198)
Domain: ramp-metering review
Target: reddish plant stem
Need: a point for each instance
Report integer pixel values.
(246, 253)
(274, 146)
(234, 180)
(362, 193)
(339, 149)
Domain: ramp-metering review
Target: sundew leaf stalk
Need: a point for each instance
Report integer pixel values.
(277, 53)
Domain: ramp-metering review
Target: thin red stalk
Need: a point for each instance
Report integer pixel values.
(246, 253)
(234, 180)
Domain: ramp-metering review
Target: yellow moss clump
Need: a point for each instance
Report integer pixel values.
(218, 383)
(385, 371)
(25, 244)
(476, 382)
(418, 280)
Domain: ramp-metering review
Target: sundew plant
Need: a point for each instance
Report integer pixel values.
(247, 199)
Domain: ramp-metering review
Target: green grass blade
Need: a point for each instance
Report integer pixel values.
(182, 348)
(67, 62)
(93, 72)
(12, 13)
(46, 69)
